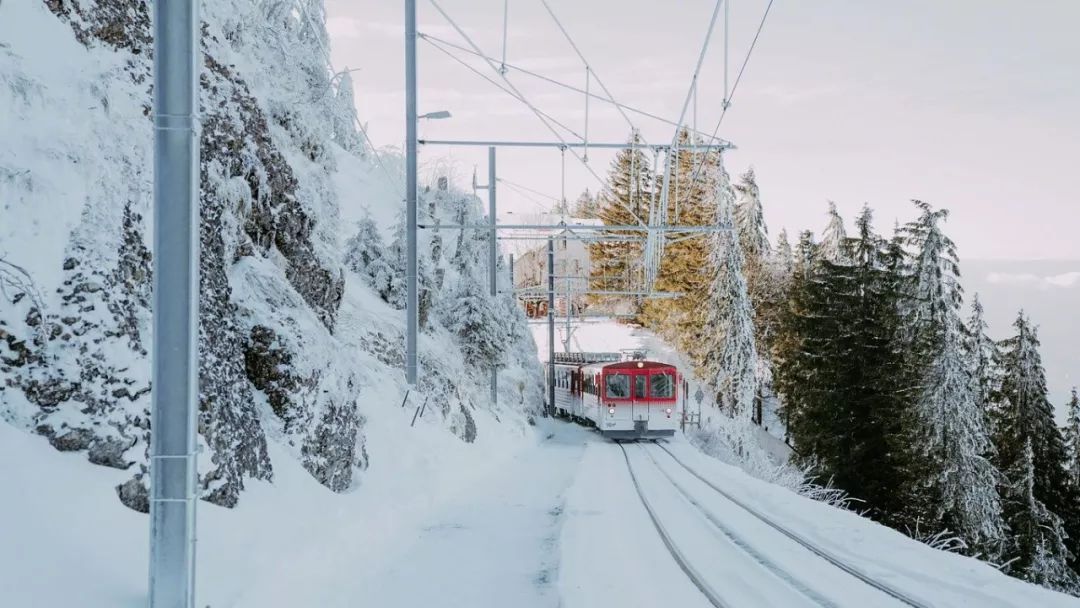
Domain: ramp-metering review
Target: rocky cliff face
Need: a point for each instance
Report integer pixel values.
(276, 362)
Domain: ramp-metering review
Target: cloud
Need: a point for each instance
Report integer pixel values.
(1063, 280)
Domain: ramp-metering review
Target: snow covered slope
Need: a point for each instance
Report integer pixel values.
(300, 354)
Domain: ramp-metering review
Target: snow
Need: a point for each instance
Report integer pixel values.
(549, 519)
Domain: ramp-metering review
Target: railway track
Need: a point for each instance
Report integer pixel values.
(680, 558)
(892, 592)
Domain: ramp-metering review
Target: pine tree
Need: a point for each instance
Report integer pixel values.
(730, 360)
(983, 355)
(586, 205)
(750, 221)
(1025, 418)
(686, 266)
(1072, 441)
(841, 373)
(834, 239)
(1038, 546)
(615, 264)
(474, 317)
(951, 437)
(364, 255)
(344, 115)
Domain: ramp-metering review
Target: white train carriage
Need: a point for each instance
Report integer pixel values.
(622, 399)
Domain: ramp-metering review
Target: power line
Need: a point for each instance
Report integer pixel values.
(738, 77)
(435, 42)
(588, 66)
(435, 39)
(523, 99)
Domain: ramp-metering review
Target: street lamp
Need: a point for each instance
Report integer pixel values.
(441, 114)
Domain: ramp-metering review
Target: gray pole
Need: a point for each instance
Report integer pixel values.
(493, 257)
(551, 325)
(513, 284)
(174, 359)
(412, 299)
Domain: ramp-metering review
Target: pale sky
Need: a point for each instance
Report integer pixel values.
(973, 105)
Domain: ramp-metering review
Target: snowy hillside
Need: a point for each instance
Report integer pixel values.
(300, 355)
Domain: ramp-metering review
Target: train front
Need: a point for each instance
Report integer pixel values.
(638, 400)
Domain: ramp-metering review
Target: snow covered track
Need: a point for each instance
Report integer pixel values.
(676, 554)
(894, 593)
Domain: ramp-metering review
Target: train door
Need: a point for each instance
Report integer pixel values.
(640, 397)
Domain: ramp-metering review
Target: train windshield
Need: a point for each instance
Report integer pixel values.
(663, 386)
(639, 387)
(617, 386)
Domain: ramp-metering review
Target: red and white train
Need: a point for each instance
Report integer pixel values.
(635, 399)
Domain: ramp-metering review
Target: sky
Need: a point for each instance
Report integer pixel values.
(972, 105)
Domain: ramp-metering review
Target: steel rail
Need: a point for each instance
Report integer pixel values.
(680, 559)
(813, 548)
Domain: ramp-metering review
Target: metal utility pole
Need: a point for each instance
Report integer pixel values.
(412, 299)
(493, 257)
(175, 374)
(551, 324)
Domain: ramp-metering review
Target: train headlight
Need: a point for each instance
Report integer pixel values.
(668, 411)
(611, 410)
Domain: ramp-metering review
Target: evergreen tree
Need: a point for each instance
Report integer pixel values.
(730, 359)
(615, 264)
(834, 239)
(983, 356)
(1038, 546)
(344, 114)
(1024, 420)
(951, 434)
(842, 375)
(1072, 441)
(586, 205)
(474, 317)
(750, 221)
(686, 265)
(364, 255)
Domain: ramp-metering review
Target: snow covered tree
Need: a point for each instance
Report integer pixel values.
(630, 180)
(364, 255)
(586, 205)
(1072, 441)
(474, 316)
(1025, 417)
(983, 356)
(1038, 534)
(344, 116)
(396, 294)
(951, 438)
(730, 358)
(842, 375)
(834, 239)
(750, 220)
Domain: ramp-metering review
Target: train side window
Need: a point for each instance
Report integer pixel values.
(663, 386)
(639, 386)
(618, 386)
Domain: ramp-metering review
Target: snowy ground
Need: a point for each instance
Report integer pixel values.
(550, 518)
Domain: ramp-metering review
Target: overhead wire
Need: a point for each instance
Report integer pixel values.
(655, 244)
(585, 61)
(524, 100)
(436, 43)
(559, 83)
(734, 87)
